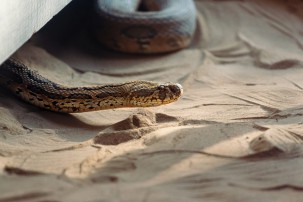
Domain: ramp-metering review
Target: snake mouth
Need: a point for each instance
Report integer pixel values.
(180, 89)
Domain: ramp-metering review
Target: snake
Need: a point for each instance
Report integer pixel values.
(144, 26)
(132, 26)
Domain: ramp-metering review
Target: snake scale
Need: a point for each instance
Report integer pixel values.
(168, 26)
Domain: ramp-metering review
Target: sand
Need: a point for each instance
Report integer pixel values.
(236, 134)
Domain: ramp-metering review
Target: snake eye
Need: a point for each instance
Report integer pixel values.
(161, 87)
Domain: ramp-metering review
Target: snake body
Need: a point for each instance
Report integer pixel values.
(39, 91)
(144, 26)
(123, 25)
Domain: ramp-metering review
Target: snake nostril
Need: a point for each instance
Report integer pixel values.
(174, 89)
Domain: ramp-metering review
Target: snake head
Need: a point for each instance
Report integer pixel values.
(148, 94)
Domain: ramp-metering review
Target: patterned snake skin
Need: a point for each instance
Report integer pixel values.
(41, 92)
(168, 26)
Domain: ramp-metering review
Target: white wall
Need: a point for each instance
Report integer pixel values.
(20, 19)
